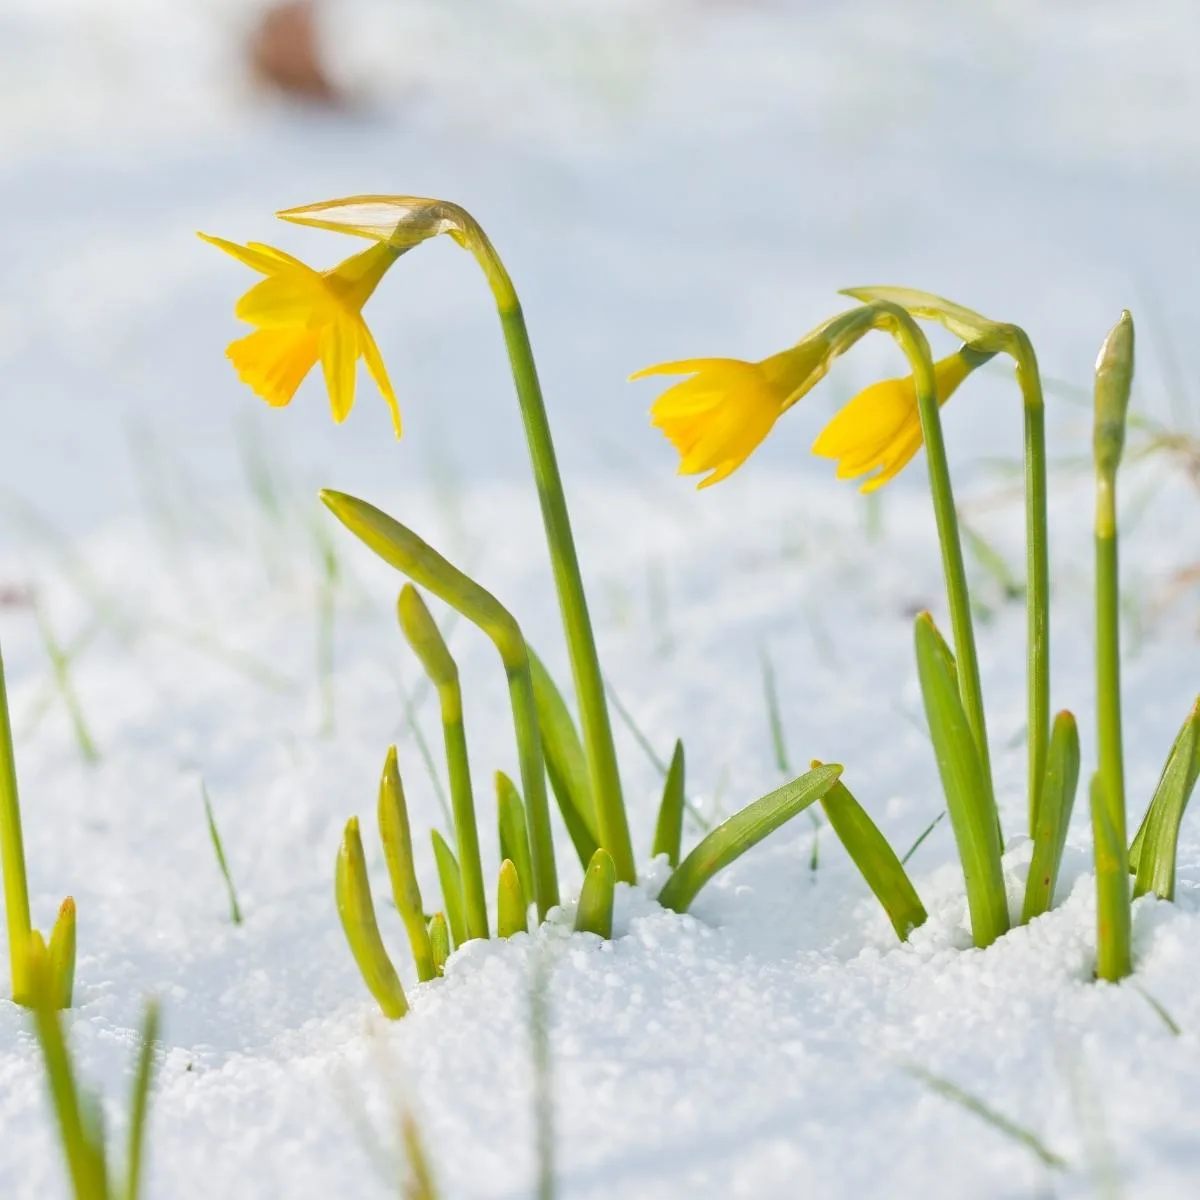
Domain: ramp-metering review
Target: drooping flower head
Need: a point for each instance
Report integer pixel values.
(302, 316)
(720, 415)
(879, 430)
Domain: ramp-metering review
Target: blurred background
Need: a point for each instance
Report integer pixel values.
(665, 178)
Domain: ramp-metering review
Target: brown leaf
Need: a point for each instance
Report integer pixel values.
(285, 53)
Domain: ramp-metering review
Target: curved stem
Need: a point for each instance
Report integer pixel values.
(916, 348)
(603, 774)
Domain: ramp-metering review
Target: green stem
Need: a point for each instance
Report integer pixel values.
(581, 645)
(915, 346)
(1108, 654)
(1037, 588)
(12, 850)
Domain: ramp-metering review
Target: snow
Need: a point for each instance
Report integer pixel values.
(661, 181)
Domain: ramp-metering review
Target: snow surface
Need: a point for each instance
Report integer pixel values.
(662, 181)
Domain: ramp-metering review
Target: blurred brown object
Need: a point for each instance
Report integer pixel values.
(285, 54)
(16, 595)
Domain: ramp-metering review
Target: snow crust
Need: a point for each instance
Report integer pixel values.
(661, 181)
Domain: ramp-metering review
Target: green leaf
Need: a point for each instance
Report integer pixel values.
(972, 812)
(1113, 955)
(61, 954)
(139, 1102)
(396, 836)
(357, 911)
(512, 911)
(514, 833)
(439, 941)
(595, 912)
(566, 764)
(668, 833)
(1053, 817)
(1154, 849)
(733, 837)
(451, 881)
(875, 859)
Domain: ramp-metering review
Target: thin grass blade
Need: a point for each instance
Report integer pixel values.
(451, 881)
(357, 912)
(396, 835)
(595, 912)
(733, 837)
(875, 859)
(139, 1102)
(1053, 816)
(972, 812)
(514, 833)
(668, 833)
(235, 911)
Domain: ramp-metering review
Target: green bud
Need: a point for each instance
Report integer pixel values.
(1114, 379)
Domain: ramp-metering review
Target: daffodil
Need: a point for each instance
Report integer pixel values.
(720, 415)
(301, 316)
(880, 429)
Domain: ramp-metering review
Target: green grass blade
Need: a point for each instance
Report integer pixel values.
(418, 1181)
(1018, 1133)
(875, 859)
(1113, 955)
(451, 881)
(1154, 848)
(668, 832)
(920, 841)
(566, 765)
(774, 716)
(733, 837)
(595, 912)
(235, 912)
(61, 954)
(1053, 816)
(514, 833)
(972, 812)
(635, 731)
(512, 912)
(139, 1105)
(60, 666)
(357, 912)
(396, 835)
(439, 941)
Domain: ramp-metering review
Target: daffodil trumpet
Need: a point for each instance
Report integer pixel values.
(398, 223)
(986, 338)
(726, 407)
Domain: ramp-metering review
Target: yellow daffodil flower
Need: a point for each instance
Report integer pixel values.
(719, 416)
(880, 429)
(301, 316)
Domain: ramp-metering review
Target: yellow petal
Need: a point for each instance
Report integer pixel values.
(339, 361)
(871, 417)
(256, 256)
(355, 279)
(288, 298)
(688, 366)
(900, 455)
(374, 361)
(274, 362)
